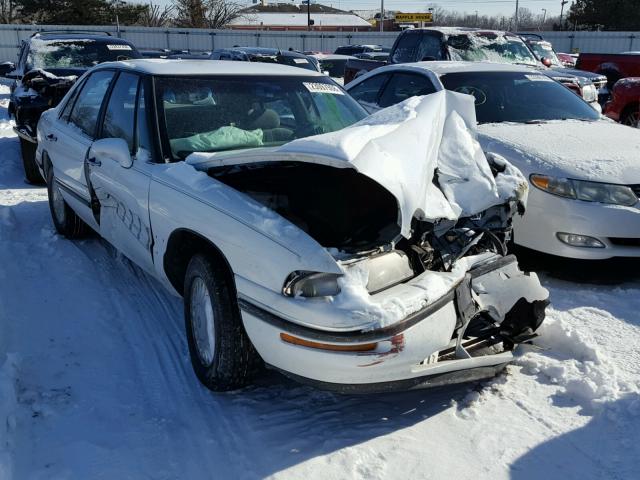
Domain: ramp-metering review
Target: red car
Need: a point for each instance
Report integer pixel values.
(614, 65)
(625, 101)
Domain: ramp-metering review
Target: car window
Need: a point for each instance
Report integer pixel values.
(366, 92)
(87, 107)
(403, 86)
(144, 140)
(415, 46)
(120, 113)
(66, 111)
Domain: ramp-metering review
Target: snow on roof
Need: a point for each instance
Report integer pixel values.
(159, 66)
(331, 56)
(300, 20)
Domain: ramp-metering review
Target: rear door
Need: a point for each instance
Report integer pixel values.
(122, 193)
(69, 140)
(403, 85)
(368, 91)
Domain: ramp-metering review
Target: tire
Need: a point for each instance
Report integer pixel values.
(631, 116)
(222, 355)
(31, 172)
(65, 220)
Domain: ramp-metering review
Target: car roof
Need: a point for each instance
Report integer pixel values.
(462, 30)
(160, 66)
(444, 67)
(263, 51)
(331, 56)
(79, 36)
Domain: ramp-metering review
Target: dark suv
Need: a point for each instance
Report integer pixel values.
(48, 65)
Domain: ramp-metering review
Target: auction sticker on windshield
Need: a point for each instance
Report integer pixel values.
(323, 88)
(300, 60)
(119, 47)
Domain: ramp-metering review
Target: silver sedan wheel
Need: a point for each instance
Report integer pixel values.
(202, 321)
(58, 202)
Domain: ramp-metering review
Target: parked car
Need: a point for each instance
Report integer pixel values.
(567, 59)
(356, 49)
(625, 100)
(48, 65)
(613, 65)
(266, 55)
(377, 56)
(468, 44)
(544, 52)
(292, 250)
(332, 64)
(584, 170)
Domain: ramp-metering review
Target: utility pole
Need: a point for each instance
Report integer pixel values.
(544, 17)
(515, 20)
(562, 4)
(381, 16)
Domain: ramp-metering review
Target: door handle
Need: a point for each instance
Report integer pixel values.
(93, 161)
(52, 137)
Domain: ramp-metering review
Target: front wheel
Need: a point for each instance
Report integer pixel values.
(31, 172)
(65, 220)
(222, 355)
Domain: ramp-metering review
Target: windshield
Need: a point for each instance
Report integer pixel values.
(490, 47)
(519, 97)
(334, 67)
(212, 114)
(545, 50)
(76, 53)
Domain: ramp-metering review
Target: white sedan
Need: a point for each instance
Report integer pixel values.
(337, 259)
(584, 169)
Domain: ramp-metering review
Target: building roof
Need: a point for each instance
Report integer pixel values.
(299, 20)
(159, 66)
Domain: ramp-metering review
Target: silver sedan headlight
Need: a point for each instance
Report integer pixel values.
(585, 190)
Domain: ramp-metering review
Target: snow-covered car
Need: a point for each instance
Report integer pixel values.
(584, 168)
(346, 251)
(48, 64)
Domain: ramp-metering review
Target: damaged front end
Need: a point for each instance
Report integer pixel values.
(38, 91)
(425, 292)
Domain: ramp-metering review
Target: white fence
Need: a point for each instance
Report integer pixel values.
(198, 40)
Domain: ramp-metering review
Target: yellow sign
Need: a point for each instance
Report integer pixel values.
(414, 17)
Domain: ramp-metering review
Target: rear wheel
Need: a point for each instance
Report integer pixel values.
(631, 116)
(31, 171)
(222, 355)
(65, 220)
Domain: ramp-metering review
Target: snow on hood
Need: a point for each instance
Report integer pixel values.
(601, 151)
(403, 146)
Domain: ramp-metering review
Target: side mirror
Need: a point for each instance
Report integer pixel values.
(546, 62)
(111, 150)
(6, 68)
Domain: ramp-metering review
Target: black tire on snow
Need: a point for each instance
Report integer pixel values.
(234, 360)
(31, 172)
(631, 116)
(69, 225)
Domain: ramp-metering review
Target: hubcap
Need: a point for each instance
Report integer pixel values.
(633, 120)
(202, 321)
(58, 201)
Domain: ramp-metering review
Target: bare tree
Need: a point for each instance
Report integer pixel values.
(8, 11)
(156, 16)
(206, 13)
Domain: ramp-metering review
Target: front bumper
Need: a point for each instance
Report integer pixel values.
(617, 227)
(427, 348)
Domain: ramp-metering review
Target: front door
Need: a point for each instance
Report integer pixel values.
(120, 192)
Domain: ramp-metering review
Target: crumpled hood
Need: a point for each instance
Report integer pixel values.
(403, 147)
(602, 151)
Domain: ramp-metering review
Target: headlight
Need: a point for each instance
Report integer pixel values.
(584, 190)
(589, 93)
(311, 284)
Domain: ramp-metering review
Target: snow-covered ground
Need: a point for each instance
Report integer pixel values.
(95, 383)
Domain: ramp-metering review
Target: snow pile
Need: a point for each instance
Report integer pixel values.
(8, 410)
(403, 147)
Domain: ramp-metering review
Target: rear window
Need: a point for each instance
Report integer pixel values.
(415, 46)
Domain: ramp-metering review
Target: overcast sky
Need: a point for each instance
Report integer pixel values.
(486, 7)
